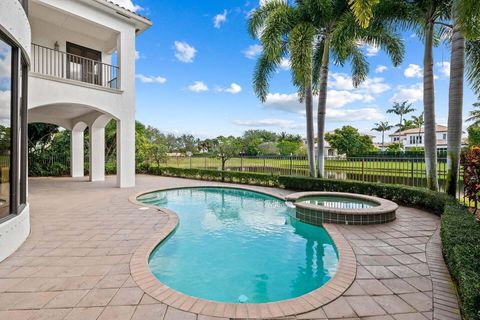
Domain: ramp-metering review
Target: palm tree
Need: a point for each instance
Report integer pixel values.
(418, 123)
(407, 124)
(382, 127)
(337, 38)
(283, 30)
(465, 50)
(475, 115)
(401, 109)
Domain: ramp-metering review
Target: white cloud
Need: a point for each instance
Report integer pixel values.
(219, 19)
(289, 124)
(285, 64)
(184, 52)
(198, 86)
(252, 51)
(336, 99)
(128, 4)
(444, 68)
(5, 61)
(371, 51)
(342, 81)
(380, 69)
(413, 71)
(411, 94)
(151, 79)
(5, 107)
(137, 55)
(233, 89)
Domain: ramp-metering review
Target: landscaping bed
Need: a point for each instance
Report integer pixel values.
(460, 232)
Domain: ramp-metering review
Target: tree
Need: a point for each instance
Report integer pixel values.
(349, 141)
(252, 139)
(268, 148)
(382, 127)
(226, 148)
(475, 115)
(401, 109)
(284, 29)
(287, 148)
(474, 136)
(340, 35)
(465, 50)
(407, 125)
(418, 123)
(157, 153)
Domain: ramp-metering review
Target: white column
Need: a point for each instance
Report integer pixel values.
(77, 153)
(126, 122)
(97, 153)
(126, 153)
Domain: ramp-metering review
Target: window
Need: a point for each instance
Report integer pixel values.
(444, 136)
(13, 106)
(5, 126)
(84, 64)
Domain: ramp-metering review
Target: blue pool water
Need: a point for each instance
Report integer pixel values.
(239, 246)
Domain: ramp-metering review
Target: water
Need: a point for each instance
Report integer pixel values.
(339, 202)
(239, 246)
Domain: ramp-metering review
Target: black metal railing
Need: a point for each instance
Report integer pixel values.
(59, 64)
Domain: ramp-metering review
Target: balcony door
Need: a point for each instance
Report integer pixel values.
(84, 64)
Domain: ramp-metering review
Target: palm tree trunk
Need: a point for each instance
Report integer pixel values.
(455, 109)
(322, 107)
(309, 117)
(383, 140)
(429, 111)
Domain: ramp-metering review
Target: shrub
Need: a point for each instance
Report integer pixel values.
(471, 177)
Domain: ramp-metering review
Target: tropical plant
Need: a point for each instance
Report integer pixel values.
(400, 109)
(395, 147)
(337, 39)
(418, 123)
(407, 125)
(465, 51)
(382, 127)
(284, 29)
(474, 136)
(475, 115)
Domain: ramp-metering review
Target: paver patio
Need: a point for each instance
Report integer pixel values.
(76, 262)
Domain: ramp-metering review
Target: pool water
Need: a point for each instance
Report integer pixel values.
(239, 246)
(338, 202)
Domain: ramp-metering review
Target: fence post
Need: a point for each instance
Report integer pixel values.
(205, 162)
(264, 164)
(241, 162)
(412, 171)
(291, 165)
(190, 162)
(363, 169)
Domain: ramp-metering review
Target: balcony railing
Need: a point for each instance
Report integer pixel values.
(59, 64)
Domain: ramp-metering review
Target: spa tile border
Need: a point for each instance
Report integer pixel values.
(318, 215)
(334, 288)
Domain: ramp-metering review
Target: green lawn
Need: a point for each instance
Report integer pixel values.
(408, 168)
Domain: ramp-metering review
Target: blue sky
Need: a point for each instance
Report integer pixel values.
(195, 65)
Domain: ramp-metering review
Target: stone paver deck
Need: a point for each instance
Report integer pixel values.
(76, 262)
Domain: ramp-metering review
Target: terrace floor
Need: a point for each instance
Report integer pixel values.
(76, 262)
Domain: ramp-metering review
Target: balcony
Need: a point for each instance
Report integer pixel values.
(58, 64)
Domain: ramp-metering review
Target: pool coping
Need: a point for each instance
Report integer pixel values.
(331, 290)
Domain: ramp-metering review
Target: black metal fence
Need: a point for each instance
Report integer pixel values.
(405, 170)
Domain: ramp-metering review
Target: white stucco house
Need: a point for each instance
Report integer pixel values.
(70, 63)
(416, 138)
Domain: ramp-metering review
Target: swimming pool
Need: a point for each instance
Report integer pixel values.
(239, 246)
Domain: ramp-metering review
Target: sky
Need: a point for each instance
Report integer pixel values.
(195, 65)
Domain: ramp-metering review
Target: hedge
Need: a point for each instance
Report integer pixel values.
(460, 233)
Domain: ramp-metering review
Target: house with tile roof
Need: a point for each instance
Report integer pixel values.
(412, 138)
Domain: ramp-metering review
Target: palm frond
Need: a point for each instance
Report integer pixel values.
(317, 65)
(472, 64)
(257, 18)
(264, 70)
(469, 18)
(363, 11)
(277, 27)
(300, 46)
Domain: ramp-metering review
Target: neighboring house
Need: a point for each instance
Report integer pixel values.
(328, 151)
(79, 56)
(416, 138)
